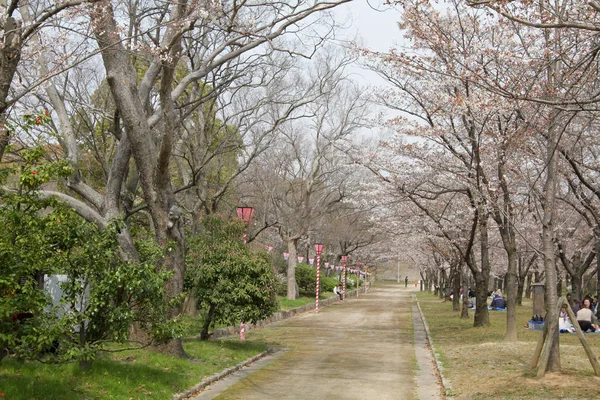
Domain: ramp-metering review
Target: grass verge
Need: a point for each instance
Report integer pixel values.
(141, 374)
(480, 364)
(286, 304)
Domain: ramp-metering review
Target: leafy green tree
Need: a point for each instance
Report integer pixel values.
(100, 295)
(230, 282)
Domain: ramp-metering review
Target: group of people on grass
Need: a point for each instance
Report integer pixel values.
(586, 312)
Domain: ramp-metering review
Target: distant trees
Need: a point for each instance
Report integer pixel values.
(495, 106)
(303, 179)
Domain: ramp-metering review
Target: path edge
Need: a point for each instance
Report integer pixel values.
(223, 374)
(446, 385)
(231, 331)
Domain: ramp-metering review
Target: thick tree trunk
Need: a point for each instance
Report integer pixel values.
(152, 163)
(576, 288)
(292, 286)
(508, 240)
(204, 334)
(597, 247)
(10, 55)
(482, 316)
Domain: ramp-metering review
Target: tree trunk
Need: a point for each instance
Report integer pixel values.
(576, 288)
(548, 247)
(597, 246)
(152, 163)
(84, 365)
(529, 282)
(520, 290)
(511, 296)
(456, 287)
(292, 286)
(10, 55)
(204, 334)
(482, 277)
(465, 296)
(508, 240)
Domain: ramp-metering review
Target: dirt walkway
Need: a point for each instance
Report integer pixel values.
(364, 348)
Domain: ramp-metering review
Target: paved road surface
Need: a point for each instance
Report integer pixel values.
(370, 347)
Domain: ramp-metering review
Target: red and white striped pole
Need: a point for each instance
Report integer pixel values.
(318, 250)
(245, 215)
(344, 259)
(357, 277)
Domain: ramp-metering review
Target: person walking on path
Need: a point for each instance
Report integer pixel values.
(406, 281)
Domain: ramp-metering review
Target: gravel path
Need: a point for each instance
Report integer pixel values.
(370, 347)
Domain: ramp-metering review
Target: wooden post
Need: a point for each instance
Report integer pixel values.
(588, 350)
(550, 332)
(538, 348)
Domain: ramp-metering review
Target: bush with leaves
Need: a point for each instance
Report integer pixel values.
(231, 283)
(101, 296)
(306, 278)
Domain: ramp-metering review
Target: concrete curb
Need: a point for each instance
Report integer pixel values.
(223, 374)
(446, 386)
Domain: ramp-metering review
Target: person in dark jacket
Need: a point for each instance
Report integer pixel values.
(498, 302)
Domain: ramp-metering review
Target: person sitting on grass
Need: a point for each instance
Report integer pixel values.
(584, 317)
(564, 324)
(338, 291)
(498, 302)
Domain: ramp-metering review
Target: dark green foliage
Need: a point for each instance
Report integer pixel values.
(230, 282)
(306, 278)
(101, 294)
(327, 284)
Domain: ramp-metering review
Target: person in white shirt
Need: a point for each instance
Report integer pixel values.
(336, 290)
(564, 324)
(584, 316)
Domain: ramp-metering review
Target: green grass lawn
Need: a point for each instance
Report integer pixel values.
(125, 375)
(304, 299)
(136, 374)
(480, 364)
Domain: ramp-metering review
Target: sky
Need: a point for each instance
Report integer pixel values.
(374, 26)
(374, 22)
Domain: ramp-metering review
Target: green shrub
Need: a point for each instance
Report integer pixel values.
(230, 282)
(306, 278)
(327, 284)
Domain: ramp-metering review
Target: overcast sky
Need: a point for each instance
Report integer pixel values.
(372, 25)
(374, 22)
(375, 26)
